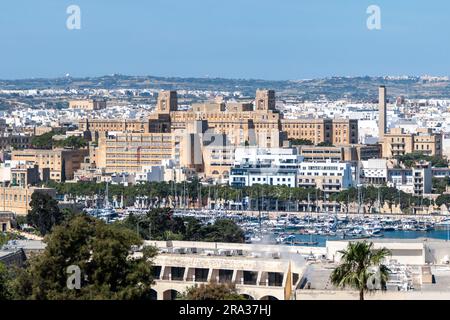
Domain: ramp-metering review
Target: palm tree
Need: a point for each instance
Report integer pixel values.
(356, 264)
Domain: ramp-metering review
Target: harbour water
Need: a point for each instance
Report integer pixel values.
(433, 234)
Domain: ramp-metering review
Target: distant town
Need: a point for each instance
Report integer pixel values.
(256, 186)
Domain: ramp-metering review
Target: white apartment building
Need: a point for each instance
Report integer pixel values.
(416, 180)
(328, 176)
(273, 166)
(374, 171)
(286, 158)
(150, 174)
(284, 167)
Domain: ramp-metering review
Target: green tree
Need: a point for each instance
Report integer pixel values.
(5, 291)
(410, 158)
(44, 213)
(325, 144)
(356, 264)
(223, 230)
(440, 184)
(44, 141)
(443, 199)
(160, 224)
(71, 142)
(212, 291)
(304, 142)
(101, 251)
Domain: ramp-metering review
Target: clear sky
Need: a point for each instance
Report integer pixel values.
(265, 39)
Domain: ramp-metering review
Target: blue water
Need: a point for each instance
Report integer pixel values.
(434, 234)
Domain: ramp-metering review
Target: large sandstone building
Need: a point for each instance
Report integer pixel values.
(169, 133)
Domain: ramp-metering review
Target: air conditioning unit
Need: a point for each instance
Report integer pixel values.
(179, 250)
(227, 253)
(209, 252)
(193, 250)
(276, 255)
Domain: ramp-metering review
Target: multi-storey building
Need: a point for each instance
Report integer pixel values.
(285, 167)
(314, 130)
(427, 142)
(327, 176)
(344, 132)
(416, 180)
(17, 199)
(351, 153)
(56, 164)
(398, 142)
(129, 152)
(243, 123)
(100, 127)
(268, 272)
(272, 166)
(87, 104)
(15, 141)
(236, 123)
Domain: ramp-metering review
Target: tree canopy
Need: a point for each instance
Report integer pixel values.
(212, 291)
(369, 195)
(47, 141)
(102, 254)
(5, 291)
(160, 224)
(410, 158)
(44, 213)
(302, 142)
(355, 267)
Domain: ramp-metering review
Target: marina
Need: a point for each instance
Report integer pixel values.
(304, 229)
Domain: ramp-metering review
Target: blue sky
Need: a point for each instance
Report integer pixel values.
(283, 39)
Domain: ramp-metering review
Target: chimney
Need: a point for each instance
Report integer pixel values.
(382, 112)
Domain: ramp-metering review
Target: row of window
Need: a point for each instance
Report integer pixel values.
(15, 198)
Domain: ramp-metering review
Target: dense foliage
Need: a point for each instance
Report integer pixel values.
(212, 291)
(302, 142)
(410, 158)
(325, 144)
(443, 199)
(101, 252)
(160, 224)
(370, 195)
(71, 142)
(44, 141)
(440, 185)
(193, 193)
(5, 279)
(44, 213)
(47, 141)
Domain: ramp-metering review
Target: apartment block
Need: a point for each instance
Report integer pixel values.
(314, 130)
(10, 141)
(398, 142)
(17, 199)
(327, 176)
(344, 132)
(343, 153)
(87, 104)
(56, 164)
(129, 152)
(427, 142)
